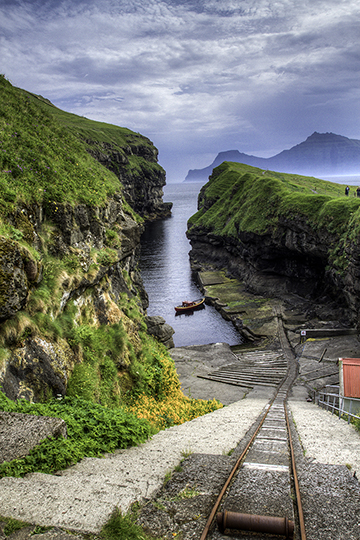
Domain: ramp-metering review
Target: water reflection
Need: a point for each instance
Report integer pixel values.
(167, 276)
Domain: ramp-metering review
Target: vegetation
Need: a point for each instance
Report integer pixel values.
(87, 129)
(241, 198)
(92, 430)
(356, 423)
(106, 407)
(94, 135)
(41, 161)
(122, 384)
(118, 527)
(123, 527)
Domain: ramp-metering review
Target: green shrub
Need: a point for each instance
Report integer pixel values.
(92, 430)
(107, 257)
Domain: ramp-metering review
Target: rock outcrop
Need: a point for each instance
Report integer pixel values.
(98, 269)
(143, 184)
(19, 433)
(17, 271)
(158, 327)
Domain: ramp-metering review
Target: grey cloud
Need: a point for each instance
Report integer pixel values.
(194, 76)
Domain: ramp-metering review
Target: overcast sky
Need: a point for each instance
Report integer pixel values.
(196, 76)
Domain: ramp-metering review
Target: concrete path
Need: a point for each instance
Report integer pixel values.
(83, 497)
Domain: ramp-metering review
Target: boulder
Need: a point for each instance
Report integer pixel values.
(17, 271)
(20, 433)
(38, 370)
(158, 328)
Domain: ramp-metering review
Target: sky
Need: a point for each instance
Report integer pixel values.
(196, 76)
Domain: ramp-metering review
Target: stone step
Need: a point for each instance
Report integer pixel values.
(238, 382)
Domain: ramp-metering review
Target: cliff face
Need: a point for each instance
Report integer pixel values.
(280, 250)
(143, 184)
(72, 302)
(93, 275)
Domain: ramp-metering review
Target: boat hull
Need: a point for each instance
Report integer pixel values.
(190, 306)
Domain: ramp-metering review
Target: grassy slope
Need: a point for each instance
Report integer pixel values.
(90, 129)
(250, 199)
(42, 160)
(120, 138)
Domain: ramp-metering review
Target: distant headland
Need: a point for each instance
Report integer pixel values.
(320, 154)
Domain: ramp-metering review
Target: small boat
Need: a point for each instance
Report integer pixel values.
(190, 306)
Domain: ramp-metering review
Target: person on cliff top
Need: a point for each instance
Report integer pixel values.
(358, 192)
(347, 189)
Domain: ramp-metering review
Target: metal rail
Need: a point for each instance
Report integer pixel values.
(226, 485)
(264, 523)
(296, 482)
(324, 401)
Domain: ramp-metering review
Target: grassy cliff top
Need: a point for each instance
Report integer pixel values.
(243, 198)
(118, 137)
(43, 155)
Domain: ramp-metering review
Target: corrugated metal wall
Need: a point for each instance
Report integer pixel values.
(351, 377)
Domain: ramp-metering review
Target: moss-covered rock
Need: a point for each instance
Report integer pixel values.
(18, 272)
(38, 370)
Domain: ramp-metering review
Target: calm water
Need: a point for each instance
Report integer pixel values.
(167, 277)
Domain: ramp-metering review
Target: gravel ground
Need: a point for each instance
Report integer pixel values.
(330, 492)
(324, 437)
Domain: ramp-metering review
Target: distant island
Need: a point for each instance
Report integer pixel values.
(321, 154)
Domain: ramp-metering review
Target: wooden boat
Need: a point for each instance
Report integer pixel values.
(189, 306)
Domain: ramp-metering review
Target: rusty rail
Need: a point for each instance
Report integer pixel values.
(255, 523)
(226, 485)
(296, 482)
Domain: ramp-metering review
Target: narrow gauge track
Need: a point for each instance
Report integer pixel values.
(263, 484)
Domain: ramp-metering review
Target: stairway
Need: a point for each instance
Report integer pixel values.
(260, 368)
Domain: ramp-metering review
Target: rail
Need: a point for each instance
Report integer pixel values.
(251, 522)
(331, 400)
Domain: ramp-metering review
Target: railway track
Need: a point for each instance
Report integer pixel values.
(261, 497)
(254, 492)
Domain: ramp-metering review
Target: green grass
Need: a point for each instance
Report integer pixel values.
(90, 129)
(12, 525)
(92, 430)
(123, 527)
(41, 161)
(118, 527)
(242, 199)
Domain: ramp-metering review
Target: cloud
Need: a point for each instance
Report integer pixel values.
(196, 76)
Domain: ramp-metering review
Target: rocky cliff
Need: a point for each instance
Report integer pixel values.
(72, 303)
(281, 236)
(142, 184)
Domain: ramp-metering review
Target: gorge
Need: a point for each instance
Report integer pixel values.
(74, 199)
